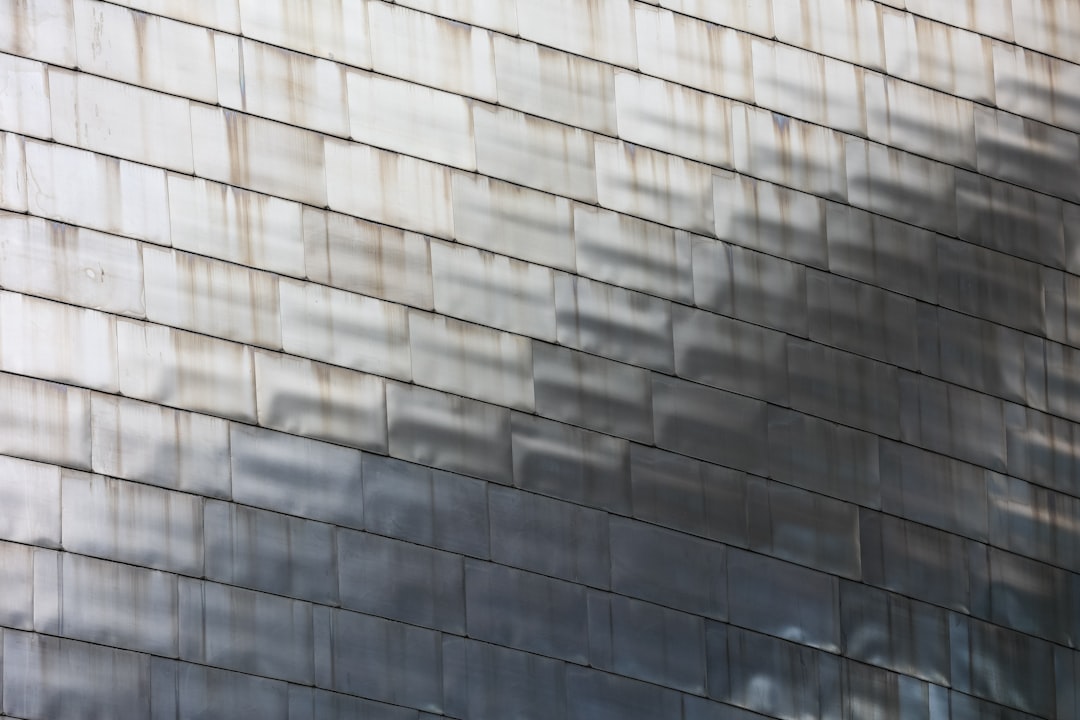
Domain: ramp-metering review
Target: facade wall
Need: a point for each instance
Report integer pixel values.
(562, 359)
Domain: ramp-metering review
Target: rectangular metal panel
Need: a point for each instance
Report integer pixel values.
(1034, 598)
(81, 188)
(146, 50)
(235, 225)
(295, 397)
(45, 421)
(387, 661)
(211, 297)
(499, 682)
(296, 475)
(584, 467)
(753, 16)
(70, 264)
(132, 523)
(471, 360)
(632, 253)
(432, 51)
(749, 285)
(449, 432)
(760, 594)
(270, 552)
(667, 567)
(771, 219)
(219, 14)
(593, 695)
(1008, 668)
(1043, 449)
(425, 506)
(230, 147)
(370, 259)
(1036, 86)
(526, 611)
(122, 120)
(555, 85)
(17, 578)
(212, 694)
(653, 185)
(1029, 153)
(992, 17)
(119, 605)
(13, 171)
(549, 536)
(334, 29)
(331, 706)
(26, 86)
(343, 328)
(411, 119)
(494, 14)
(30, 494)
(600, 29)
(42, 29)
(847, 29)
(873, 693)
(178, 368)
(387, 187)
(402, 581)
(673, 118)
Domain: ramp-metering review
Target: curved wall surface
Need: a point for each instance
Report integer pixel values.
(560, 359)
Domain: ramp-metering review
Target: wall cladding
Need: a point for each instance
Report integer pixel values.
(562, 359)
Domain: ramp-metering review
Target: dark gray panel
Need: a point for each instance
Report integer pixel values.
(695, 708)
(667, 567)
(592, 392)
(847, 388)
(501, 683)
(1067, 681)
(594, 695)
(730, 354)
(646, 641)
(873, 694)
(17, 580)
(400, 580)
(1043, 449)
(46, 677)
(335, 706)
(1034, 598)
(449, 432)
(574, 464)
(296, 475)
(30, 496)
(934, 489)
(387, 661)
(688, 495)
(824, 457)
(271, 552)
(804, 527)
(785, 600)
(549, 536)
(895, 632)
(1062, 383)
(710, 424)
(204, 693)
(425, 506)
(965, 707)
(1034, 521)
(526, 611)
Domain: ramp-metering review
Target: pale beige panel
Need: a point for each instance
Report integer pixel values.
(236, 225)
(103, 193)
(432, 51)
(555, 85)
(673, 118)
(24, 89)
(534, 152)
(185, 370)
(218, 14)
(70, 264)
(696, 53)
(296, 89)
(653, 185)
(146, 50)
(211, 296)
(987, 17)
(344, 328)
(1049, 26)
(846, 29)
(321, 401)
(754, 16)
(600, 29)
(1037, 86)
(500, 15)
(39, 29)
(12, 172)
(258, 154)
(122, 120)
(333, 29)
(59, 342)
(412, 119)
(45, 421)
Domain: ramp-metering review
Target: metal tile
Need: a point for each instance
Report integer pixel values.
(48, 584)
(1034, 521)
(847, 29)
(178, 368)
(584, 467)
(345, 329)
(873, 693)
(13, 172)
(209, 13)
(26, 84)
(370, 259)
(1029, 153)
(994, 18)
(337, 30)
(44, 30)
(30, 492)
(601, 29)
(213, 694)
(449, 432)
(500, 682)
(753, 16)
(132, 523)
(549, 537)
(425, 506)
(493, 14)
(295, 397)
(1036, 86)
(401, 581)
(1034, 598)
(331, 706)
(593, 695)
(1009, 668)
(266, 551)
(17, 576)
(44, 421)
(663, 566)
(1043, 449)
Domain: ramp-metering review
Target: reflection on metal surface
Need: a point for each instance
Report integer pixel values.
(562, 359)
